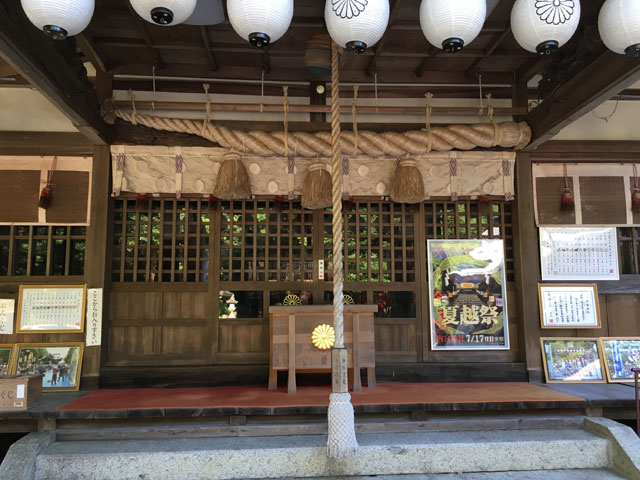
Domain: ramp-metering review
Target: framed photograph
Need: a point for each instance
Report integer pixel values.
(579, 253)
(572, 360)
(6, 358)
(567, 305)
(59, 363)
(51, 308)
(620, 356)
(467, 295)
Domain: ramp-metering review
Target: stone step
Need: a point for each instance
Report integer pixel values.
(256, 429)
(581, 474)
(304, 455)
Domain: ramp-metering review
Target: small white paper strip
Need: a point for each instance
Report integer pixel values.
(94, 317)
(20, 391)
(7, 309)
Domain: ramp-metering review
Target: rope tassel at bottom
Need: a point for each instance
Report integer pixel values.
(341, 442)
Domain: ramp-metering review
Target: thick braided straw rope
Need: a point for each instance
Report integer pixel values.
(390, 144)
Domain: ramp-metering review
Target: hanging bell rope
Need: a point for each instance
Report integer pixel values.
(354, 113)
(428, 97)
(133, 108)
(496, 129)
(286, 120)
(207, 112)
(341, 440)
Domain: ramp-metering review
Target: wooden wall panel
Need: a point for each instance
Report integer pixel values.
(243, 338)
(623, 315)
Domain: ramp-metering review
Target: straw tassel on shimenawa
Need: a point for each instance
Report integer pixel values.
(316, 191)
(407, 186)
(233, 180)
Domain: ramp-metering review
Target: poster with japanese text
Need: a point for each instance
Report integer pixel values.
(579, 253)
(51, 308)
(94, 317)
(467, 295)
(7, 308)
(569, 306)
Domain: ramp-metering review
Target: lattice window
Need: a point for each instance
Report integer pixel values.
(628, 248)
(166, 240)
(42, 250)
(378, 242)
(265, 241)
(471, 219)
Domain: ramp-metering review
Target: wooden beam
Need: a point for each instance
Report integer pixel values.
(44, 143)
(422, 67)
(603, 78)
(378, 50)
(49, 66)
(85, 44)
(495, 43)
(206, 41)
(146, 37)
(527, 269)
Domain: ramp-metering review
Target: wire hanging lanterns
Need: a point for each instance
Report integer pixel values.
(261, 22)
(452, 25)
(164, 12)
(59, 19)
(543, 26)
(619, 26)
(356, 24)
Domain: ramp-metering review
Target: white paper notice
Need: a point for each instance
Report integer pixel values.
(94, 317)
(7, 309)
(20, 391)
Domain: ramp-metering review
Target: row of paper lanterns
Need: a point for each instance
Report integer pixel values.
(538, 25)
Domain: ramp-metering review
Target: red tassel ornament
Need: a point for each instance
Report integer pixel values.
(143, 201)
(635, 192)
(46, 194)
(567, 202)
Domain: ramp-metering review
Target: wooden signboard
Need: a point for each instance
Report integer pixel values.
(291, 346)
(20, 393)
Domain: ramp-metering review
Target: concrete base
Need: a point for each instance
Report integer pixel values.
(537, 475)
(20, 461)
(305, 456)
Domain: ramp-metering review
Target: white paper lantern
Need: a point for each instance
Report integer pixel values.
(261, 22)
(542, 26)
(450, 25)
(356, 24)
(619, 26)
(59, 19)
(164, 12)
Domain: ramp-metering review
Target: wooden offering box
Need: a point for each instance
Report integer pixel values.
(291, 349)
(20, 393)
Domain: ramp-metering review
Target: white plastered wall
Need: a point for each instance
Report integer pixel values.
(27, 110)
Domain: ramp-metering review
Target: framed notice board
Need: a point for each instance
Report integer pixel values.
(51, 308)
(569, 305)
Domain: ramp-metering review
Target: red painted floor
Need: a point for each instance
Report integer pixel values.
(383, 394)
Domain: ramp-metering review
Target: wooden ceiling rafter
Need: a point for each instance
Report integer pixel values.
(604, 77)
(206, 42)
(371, 67)
(85, 44)
(142, 28)
(474, 68)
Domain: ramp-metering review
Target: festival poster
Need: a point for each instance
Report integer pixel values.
(467, 295)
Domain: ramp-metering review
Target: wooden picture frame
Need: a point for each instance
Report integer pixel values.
(572, 365)
(613, 360)
(33, 299)
(7, 352)
(59, 363)
(583, 302)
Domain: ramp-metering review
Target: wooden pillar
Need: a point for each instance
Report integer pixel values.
(96, 256)
(527, 269)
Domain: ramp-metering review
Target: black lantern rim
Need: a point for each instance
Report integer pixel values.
(162, 16)
(356, 46)
(633, 50)
(259, 40)
(453, 45)
(55, 32)
(548, 47)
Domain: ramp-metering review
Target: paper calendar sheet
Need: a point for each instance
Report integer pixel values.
(51, 308)
(569, 306)
(579, 253)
